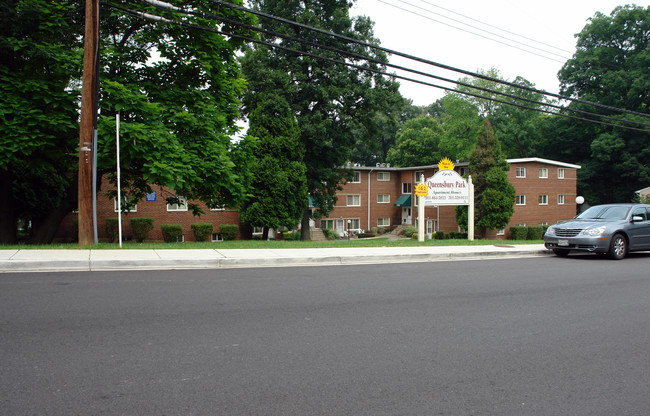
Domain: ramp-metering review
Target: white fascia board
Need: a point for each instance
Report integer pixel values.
(547, 161)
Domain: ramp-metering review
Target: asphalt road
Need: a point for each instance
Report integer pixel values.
(538, 336)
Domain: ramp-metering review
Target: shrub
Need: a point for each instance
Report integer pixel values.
(202, 230)
(291, 235)
(366, 235)
(331, 234)
(518, 232)
(440, 235)
(228, 231)
(111, 229)
(141, 226)
(535, 232)
(408, 231)
(172, 233)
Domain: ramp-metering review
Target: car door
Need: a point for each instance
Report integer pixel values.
(639, 231)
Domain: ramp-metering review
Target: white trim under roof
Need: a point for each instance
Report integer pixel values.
(540, 160)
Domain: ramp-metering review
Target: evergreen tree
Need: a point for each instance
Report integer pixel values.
(279, 182)
(494, 195)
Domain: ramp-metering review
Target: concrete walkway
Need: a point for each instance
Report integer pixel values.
(125, 259)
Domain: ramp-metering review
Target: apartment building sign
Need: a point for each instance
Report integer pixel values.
(447, 187)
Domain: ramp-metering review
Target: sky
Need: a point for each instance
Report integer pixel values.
(455, 33)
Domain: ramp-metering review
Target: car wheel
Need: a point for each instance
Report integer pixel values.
(618, 247)
(560, 253)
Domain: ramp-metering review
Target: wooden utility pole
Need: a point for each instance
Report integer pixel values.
(88, 115)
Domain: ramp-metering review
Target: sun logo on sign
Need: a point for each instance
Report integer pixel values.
(446, 164)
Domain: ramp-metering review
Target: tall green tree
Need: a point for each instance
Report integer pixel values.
(279, 182)
(494, 195)
(329, 99)
(178, 91)
(610, 67)
(41, 53)
(417, 143)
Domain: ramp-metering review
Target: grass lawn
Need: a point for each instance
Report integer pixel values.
(251, 244)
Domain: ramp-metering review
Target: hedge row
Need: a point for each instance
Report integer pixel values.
(172, 233)
(533, 232)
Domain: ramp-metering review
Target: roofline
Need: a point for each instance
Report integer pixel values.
(462, 165)
(541, 160)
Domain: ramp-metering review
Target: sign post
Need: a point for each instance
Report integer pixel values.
(446, 187)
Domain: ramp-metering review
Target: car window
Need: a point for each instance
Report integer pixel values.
(640, 212)
(609, 213)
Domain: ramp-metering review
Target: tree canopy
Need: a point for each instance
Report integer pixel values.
(610, 67)
(330, 99)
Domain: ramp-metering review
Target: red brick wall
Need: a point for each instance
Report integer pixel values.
(154, 209)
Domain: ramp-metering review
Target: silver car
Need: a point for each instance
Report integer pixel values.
(612, 229)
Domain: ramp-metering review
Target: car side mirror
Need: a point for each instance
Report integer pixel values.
(637, 218)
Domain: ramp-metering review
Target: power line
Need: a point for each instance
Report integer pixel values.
(167, 6)
(426, 61)
(474, 33)
(304, 53)
(495, 27)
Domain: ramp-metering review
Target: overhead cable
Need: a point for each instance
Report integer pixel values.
(273, 45)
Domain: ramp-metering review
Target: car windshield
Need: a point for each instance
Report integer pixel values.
(611, 212)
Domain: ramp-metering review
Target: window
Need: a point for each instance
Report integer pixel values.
(327, 224)
(383, 176)
(543, 199)
(543, 173)
(383, 222)
(356, 177)
(560, 199)
(127, 204)
(560, 173)
(216, 237)
(218, 208)
(383, 199)
(353, 200)
(406, 187)
(501, 231)
(463, 171)
(520, 172)
(180, 206)
(354, 224)
(520, 200)
(419, 176)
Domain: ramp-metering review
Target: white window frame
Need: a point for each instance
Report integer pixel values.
(383, 198)
(383, 176)
(520, 172)
(560, 199)
(501, 231)
(418, 174)
(180, 207)
(356, 177)
(383, 222)
(463, 171)
(125, 199)
(543, 199)
(354, 197)
(543, 173)
(331, 224)
(216, 237)
(406, 186)
(560, 173)
(355, 223)
(520, 200)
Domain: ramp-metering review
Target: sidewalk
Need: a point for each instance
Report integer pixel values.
(95, 260)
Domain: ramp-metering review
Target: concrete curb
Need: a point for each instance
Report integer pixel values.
(110, 260)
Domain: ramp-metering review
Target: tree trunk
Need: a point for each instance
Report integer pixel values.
(265, 233)
(7, 212)
(304, 226)
(46, 230)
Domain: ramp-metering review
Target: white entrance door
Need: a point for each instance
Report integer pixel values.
(429, 229)
(406, 216)
(339, 227)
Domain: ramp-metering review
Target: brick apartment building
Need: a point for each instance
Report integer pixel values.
(383, 196)
(379, 196)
